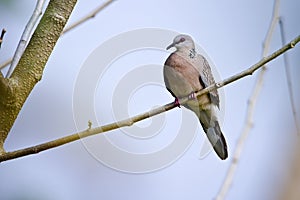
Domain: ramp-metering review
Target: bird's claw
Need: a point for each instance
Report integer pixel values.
(176, 102)
(192, 96)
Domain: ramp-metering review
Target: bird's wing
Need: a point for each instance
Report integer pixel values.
(206, 79)
(166, 65)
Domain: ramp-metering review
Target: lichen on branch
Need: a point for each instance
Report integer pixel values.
(15, 89)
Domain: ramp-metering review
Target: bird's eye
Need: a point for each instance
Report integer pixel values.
(182, 39)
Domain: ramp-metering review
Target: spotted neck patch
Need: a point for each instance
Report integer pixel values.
(192, 53)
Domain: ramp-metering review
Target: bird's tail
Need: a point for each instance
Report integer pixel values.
(215, 136)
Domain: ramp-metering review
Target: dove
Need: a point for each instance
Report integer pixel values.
(186, 72)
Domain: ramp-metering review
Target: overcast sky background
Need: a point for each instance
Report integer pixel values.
(230, 32)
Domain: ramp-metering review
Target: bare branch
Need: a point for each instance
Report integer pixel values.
(2, 36)
(272, 26)
(7, 62)
(250, 110)
(128, 122)
(26, 36)
(289, 78)
(88, 16)
(3, 86)
(72, 26)
(29, 69)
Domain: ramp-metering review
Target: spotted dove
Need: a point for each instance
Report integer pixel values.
(186, 72)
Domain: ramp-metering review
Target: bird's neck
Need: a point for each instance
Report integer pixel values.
(187, 51)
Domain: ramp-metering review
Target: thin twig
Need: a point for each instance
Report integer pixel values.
(2, 36)
(128, 122)
(26, 36)
(7, 62)
(250, 110)
(88, 16)
(74, 25)
(289, 78)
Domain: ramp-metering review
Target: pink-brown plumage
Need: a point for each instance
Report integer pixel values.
(186, 72)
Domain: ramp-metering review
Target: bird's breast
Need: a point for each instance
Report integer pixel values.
(182, 78)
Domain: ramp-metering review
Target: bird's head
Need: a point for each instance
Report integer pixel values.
(182, 42)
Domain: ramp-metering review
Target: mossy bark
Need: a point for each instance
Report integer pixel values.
(15, 90)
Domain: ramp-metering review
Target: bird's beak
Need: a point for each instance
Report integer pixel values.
(171, 45)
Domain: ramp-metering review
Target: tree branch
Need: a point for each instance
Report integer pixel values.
(88, 16)
(4, 64)
(3, 87)
(2, 36)
(26, 36)
(72, 26)
(250, 109)
(130, 121)
(289, 79)
(30, 68)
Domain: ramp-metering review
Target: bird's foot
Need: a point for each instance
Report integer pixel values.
(176, 102)
(192, 96)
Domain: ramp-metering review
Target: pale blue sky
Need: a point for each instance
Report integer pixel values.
(230, 32)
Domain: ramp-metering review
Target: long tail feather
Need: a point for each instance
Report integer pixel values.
(215, 136)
